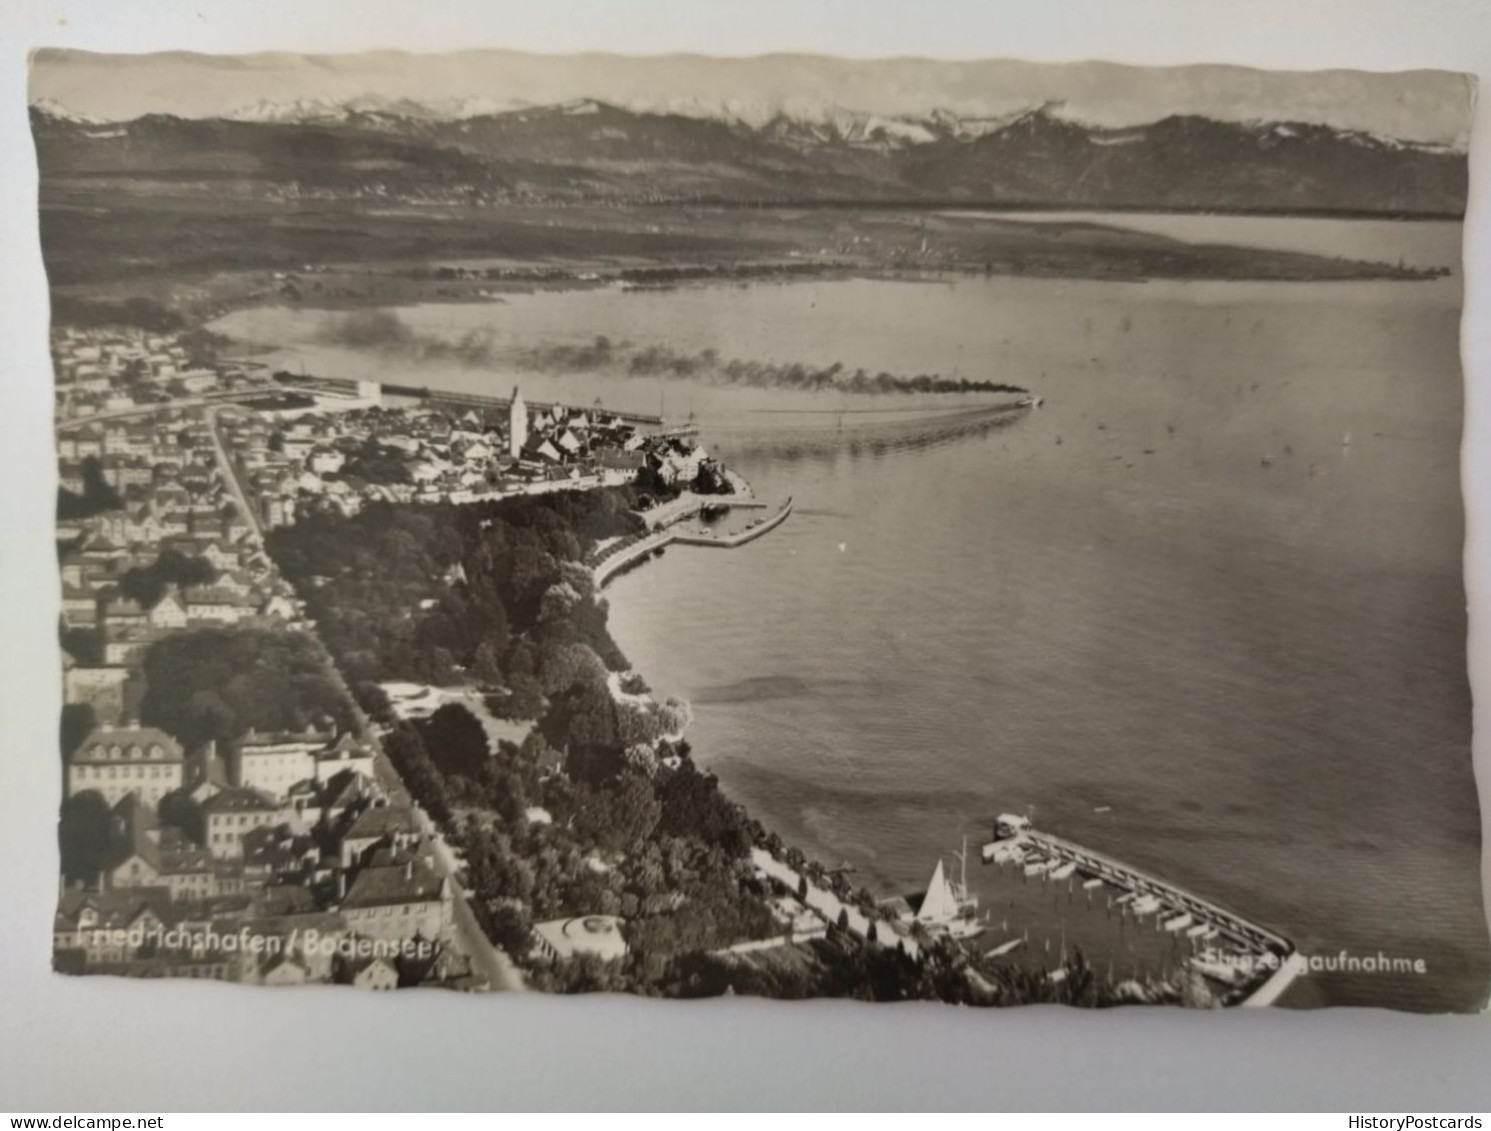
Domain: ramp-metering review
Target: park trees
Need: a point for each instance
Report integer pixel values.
(456, 741)
(213, 684)
(146, 585)
(85, 837)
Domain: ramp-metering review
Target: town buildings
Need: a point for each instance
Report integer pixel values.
(287, 857)
(274, 857)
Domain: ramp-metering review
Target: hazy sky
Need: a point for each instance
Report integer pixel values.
(1426, 106)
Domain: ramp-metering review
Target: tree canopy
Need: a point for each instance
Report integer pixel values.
(96, 498)
(147, 584)
(216, 683)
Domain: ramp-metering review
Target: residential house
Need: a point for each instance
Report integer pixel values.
(345, 794)
(380, 826)
(125, 647)
(280, 969)
(376, 973)
(230, 814)
(155, 856)
(79, 606)
(111, 926)
(101, 688)
(215, 606)
(121, 612)
(169, 612)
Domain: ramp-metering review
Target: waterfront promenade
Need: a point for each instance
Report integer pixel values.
(829, 906)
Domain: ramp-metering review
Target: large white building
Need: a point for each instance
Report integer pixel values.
(517, 424)
(118, 761)
(272, 763)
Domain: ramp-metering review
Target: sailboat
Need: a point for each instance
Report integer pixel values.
(939, 905)
(947, 906)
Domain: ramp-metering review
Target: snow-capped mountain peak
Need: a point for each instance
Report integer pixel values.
(800, 122)
(311, 110)
(54, 109)
(295, 110)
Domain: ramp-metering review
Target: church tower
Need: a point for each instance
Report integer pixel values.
(517, 425)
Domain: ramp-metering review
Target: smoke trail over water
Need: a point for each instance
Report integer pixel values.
(386, 332)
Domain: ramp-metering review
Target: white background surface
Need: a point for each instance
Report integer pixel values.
(77, 1045)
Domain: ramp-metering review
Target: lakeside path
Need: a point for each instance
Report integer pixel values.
(829, 905)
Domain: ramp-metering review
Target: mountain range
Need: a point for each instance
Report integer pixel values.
(761, 153)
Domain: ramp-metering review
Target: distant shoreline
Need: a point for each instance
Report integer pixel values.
(967, 205)
(191, 268)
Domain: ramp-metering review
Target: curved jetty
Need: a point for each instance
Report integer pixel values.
(752, 531)
(620, 555)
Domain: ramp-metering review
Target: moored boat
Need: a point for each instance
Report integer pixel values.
(1002, 852)
(947, 908)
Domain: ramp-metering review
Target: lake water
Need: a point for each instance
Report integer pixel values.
(1202, 611)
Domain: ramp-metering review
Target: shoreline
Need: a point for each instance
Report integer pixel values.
(1269, 962)
(779, 244)
(412, 292)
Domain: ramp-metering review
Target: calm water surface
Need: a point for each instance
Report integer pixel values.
(1203, 610)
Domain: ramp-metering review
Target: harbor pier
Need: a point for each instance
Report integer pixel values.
(621, 555)
(1263, 963)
